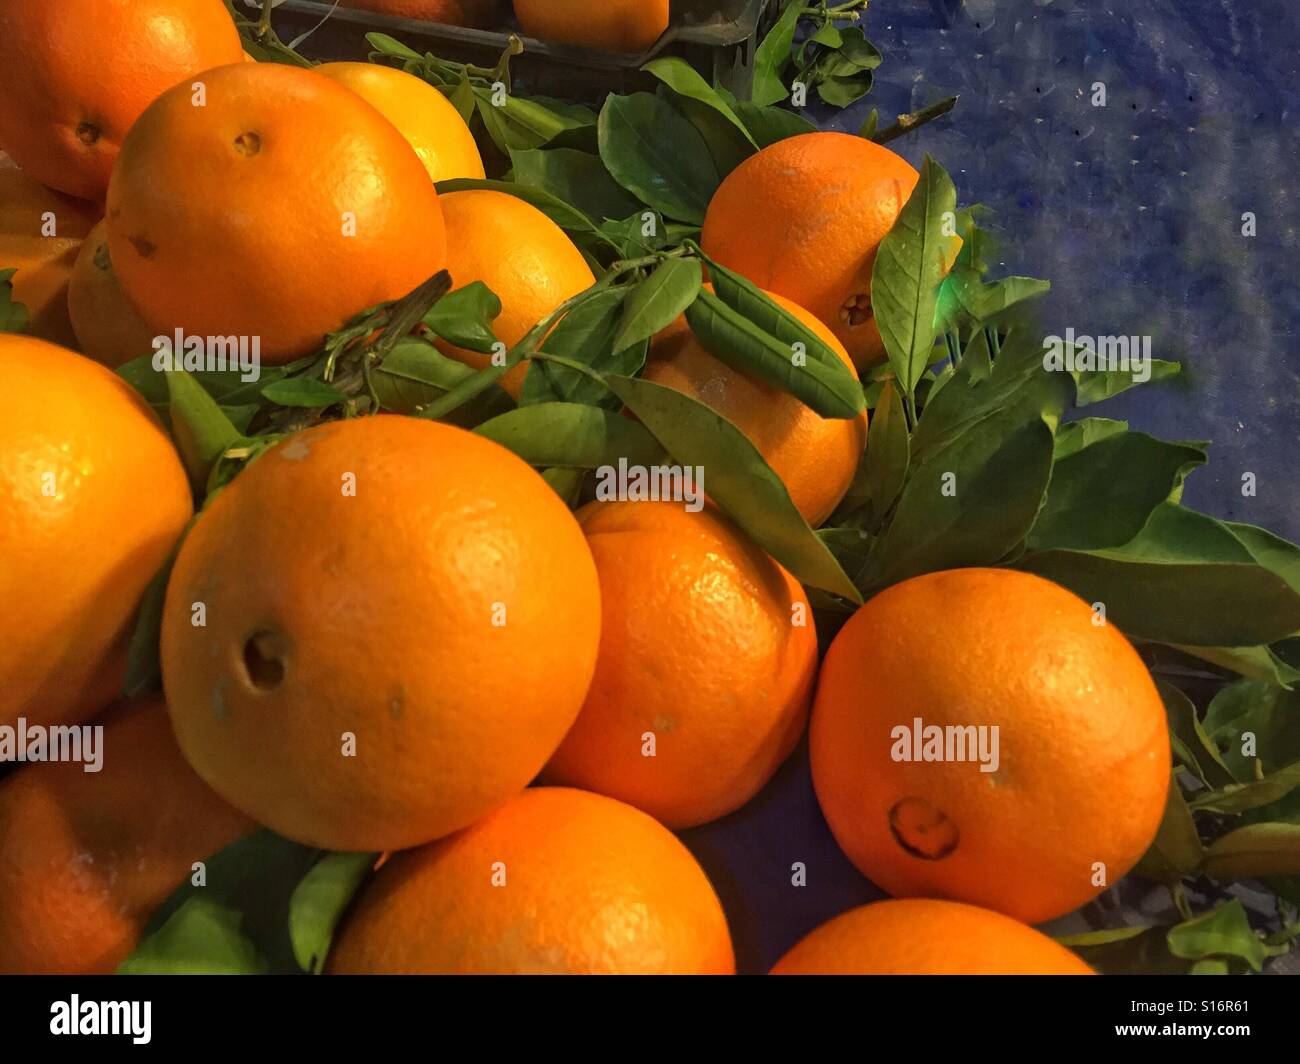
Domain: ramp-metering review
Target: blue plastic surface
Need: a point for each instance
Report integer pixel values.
(1134, 212)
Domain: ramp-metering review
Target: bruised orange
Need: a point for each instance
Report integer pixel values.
(422, 114)
(612, 25)
(1020, 764)
(707, 659)
(479, 13)
(919, 936)
(279, 209)
(815, 457)
(804, 217)
(519, 253)
(92, 500)
(41, 232)
(109, 329)
(87, 857)
(556, 881)
(76, 74)
(380, 630)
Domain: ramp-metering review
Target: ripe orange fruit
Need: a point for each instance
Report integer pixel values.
(86, 857)
(281, 208)
(924, 937)
(40, 233)
(478, 13)
(519, 253)
(556, 881)
(1081, 764)
(76, 74)
(401, 621)
(109, 329)
(707, 659)
(614, 26)
(94, 501)
(815, 457)
(804, 217)
(422, 114)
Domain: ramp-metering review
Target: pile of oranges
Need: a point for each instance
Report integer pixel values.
(389, 634)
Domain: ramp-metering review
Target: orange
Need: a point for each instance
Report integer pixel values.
(923, 937)
(92, 500)
(76, 74)
(40, 233)
(815, 457)
(479, 13)
(555, 882)
(423, 115)
(109, 329)
(1080, 767)
(399, 624)
(706, 665)
(612, 26)
(86, 857)
(804, 217)
(278, 210)
(519, 253)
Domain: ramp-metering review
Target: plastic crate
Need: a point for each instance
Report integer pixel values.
(717, 37)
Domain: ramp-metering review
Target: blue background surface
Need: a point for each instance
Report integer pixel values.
(1134, 212)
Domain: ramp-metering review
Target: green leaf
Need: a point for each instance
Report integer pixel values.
(143, 666)
(1255, 663)
(1255, 850)
(1252, 721)
(1099, 384)
(573, 436)
(524, 122)
(887, 456)
(13, 315)
(767, 125)
(238, 923)
(1075, 436)
(845, 89)
(317, 904)
(1176, 851)
(199, 427)
(1239, 797)
(773, 56)
(658, 301)
(868, 128)
(747, 347)
(584, 335)
(1185, 579)
(856, 49)
(657, 155)
(969, 504)
(965, 297)
(686, 81)
(1192, 745)
(306, 392)
(576, 177)
(1126, 951)
(464, 317)
(738, 479)
(1102, 495)
(907, 271)
(416, 374)
(1223, 932)
(565, 215)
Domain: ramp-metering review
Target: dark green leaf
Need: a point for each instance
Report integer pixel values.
(584, 335)
(887, 457)
(1176, 851)
(416, 374)
(658, 301)
(843, 90)
(738, 480)
(576, 177)
(1255, 663)
(1103, 495)
(767, 125)
(773, 56)
(524, 122)
(1252, 721)
(306, 392)
(657, 155)
(1074, 437)
(1192, 745)
(686, 81)
(464, 317)
(573, 436)
(1255, 850)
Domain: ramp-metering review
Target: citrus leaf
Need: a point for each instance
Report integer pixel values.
(1255, 663)
(887, 455)
(1222, 932)
(13, 315)
(519, 122)
(1074, 437)
(565, 215)
(306, 392)
(1126, 951)
(658, 301)
(686, 81)
(657, 155)
(318, 901)
(773, 56)
(143, 665)
(1099, 384)
(738, 480)
(1254, 722)
(1176, 851)
(573, 436)
(464, 317)
(1255, 850)
(744, 345)
(1240, 797)
(576, 177)
(1191, 743)
(199, 427)
(1103, 495)
(907, 271)
(416, 374)
(585, 335)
